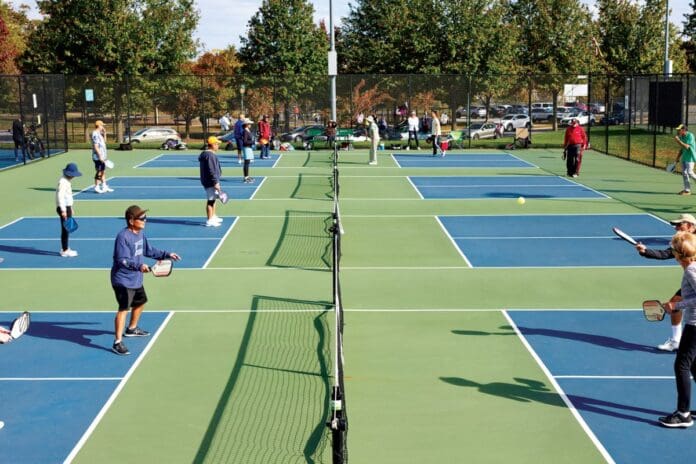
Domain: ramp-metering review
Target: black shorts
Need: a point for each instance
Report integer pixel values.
(99, 165)
(129, 297)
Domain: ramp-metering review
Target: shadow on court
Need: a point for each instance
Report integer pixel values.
(28, 251)
(311, 188)
(527, 390)
(73, 332)
(179, 222)
(278, 387)
(599, 340)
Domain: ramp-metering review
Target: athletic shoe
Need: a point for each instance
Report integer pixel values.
(120, 348)
(372, 163)
(677, 420)
(574, 175)
(239, 161)
(68, 253)
(99, 189)
(684, 192)
(107, 189)
(212, 223)
(216, 219)
(136, 332)
(669, 345)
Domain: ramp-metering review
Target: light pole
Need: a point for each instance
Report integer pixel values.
(668, 62)
(333, 65)
(242, 89)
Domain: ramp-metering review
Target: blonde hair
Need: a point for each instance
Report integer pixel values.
(684, 246)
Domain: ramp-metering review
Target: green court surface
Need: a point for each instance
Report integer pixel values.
(242, 372)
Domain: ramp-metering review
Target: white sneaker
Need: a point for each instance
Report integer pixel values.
(212, 223)
(106, 188)
(98, 189)
(669, 345)
(372, 163)
(216, 219)
(68, 253)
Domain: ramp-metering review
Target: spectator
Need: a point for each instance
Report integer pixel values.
(18, 138)
(574, 144)
(238, 135)
(413, 123)
(265, 137)
(225, 122)
(373, 134)
(331, 129)
(444, 119)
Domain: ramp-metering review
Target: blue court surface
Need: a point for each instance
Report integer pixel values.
(496, 187)
(7, 159)
(169, 188)
(188, 161)
(606, 364)
(473, 160)
(31, 243)
(556, 240)
(57, 378)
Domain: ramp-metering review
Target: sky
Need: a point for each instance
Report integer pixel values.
(223, 21)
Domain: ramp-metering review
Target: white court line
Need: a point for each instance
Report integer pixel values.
(393, 157)
(560, 391)
(553, 237)
(221, 241)
(410, 181)
(117, 391)
(454, 244)
(151, 159)
(258, 187)
(53, 379)
(617, 377)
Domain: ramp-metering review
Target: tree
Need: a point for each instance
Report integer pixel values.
(14, 27)
(689, 45)
(115, 37)
(282, 40)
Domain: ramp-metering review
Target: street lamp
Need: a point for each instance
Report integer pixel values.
(242, 89)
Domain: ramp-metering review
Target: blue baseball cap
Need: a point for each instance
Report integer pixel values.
(71, 170)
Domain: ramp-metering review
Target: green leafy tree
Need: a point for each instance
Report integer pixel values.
(116, 37)
(282, 40)
(689, 31)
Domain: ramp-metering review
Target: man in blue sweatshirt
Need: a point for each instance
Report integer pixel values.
(127, 270)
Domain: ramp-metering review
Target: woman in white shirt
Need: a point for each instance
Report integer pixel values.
(64, 204)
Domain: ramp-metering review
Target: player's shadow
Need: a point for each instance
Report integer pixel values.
(73, 332)
(515, 195)
(528, 390)
(28, 251)
(178, 222)
(312, 188)
(599, 340)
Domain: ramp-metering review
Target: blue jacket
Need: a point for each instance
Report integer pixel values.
(210, 168)
(129, 250)
(238, 129)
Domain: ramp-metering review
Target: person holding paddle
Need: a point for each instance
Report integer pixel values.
(687, 155)
(130, 247)
(64, 207)
(684, 223)
(684, 249)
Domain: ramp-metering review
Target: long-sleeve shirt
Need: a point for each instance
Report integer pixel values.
(210, 169)
(688, 293)
(575, 135)
(64, 195)
(264, 130)
(247, 139)
(129, 252)
(435, 128)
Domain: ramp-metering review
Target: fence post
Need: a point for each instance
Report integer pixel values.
(606, 111)
(629, 113)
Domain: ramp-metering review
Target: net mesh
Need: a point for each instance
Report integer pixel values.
(339, 416)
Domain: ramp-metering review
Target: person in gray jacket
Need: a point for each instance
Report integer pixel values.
(684, 223)
(684, 249)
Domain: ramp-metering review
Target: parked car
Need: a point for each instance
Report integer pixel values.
(511, 122)
(154, 134)
(598, 108)
(613, 119)
(303, 132)
(481, 130)
(564, 112)
(519, 109)
(583, 117)
(540, 114)
(478, 112)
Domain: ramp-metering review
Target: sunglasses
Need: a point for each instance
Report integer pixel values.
(142, 218)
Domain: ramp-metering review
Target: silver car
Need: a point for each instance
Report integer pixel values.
(155, 135)
(481, 130)
(511, 122)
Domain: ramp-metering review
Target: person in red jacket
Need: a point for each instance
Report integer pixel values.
(265, 137)
(574, 144)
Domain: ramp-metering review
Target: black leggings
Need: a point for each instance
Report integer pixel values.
(246, 167)
(64, 234)
(684, 366)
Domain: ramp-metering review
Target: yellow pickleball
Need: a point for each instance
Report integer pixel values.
(520, 201)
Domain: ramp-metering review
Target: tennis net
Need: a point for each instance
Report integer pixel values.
(339, 416)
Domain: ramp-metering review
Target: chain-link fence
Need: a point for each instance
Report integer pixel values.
(35, 105)
(627, 116)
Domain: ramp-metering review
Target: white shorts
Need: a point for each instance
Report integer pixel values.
(248, 153)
